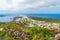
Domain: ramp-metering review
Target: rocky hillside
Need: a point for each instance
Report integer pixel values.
(25, 28)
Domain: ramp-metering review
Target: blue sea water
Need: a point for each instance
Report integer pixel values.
(8, 18)
(46, 15)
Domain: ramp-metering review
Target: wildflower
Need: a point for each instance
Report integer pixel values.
(53, 30)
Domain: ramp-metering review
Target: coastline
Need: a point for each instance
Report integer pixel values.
(7, 18)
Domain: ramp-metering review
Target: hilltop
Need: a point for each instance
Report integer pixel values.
(36, 21)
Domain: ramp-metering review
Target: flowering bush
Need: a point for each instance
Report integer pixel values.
(46, 33)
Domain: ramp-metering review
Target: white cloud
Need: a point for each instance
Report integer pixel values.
(45, 3)
(25, 4)
(57, 5)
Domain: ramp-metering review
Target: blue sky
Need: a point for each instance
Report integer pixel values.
(29, 6)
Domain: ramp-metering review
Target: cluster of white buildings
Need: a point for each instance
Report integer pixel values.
(32, 23)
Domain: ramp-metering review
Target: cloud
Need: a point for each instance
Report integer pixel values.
(27, 4)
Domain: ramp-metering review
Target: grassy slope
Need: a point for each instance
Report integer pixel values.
(4, 34)
(14, 26)
(20, 27)
(8, 24)
(47, 20)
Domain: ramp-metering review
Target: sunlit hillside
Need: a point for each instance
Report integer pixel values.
(27, 28)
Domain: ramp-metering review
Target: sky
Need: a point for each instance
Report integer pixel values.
(29, 6)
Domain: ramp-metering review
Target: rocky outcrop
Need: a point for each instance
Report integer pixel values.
(1, 38)
(57, 37)
(18, 35)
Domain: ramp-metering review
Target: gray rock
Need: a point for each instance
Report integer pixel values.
(1, 38)
(22, 35)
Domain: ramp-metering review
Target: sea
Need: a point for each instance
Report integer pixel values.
(10, 17)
